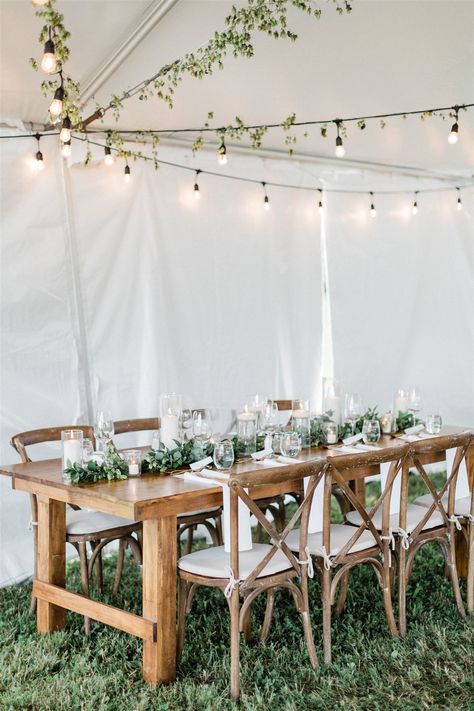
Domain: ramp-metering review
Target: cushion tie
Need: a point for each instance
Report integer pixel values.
(308, 562)
(229, 588)
(470, 518)
(455, 519)
(327, 559)
(391, 544)
(405, 538)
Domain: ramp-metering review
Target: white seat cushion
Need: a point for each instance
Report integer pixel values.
(462, 507)
(340, 534)
(82, 522)
(414, 516)
(215, 562)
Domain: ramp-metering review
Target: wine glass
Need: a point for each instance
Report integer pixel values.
(202, 427)
(290, 444)
(269, 423)
(414, 401)
(186, 424)
(103, 428)
(371, 431)
(352, 409)
(87, 450)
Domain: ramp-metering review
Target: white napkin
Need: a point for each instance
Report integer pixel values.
(256, 456)
(290, 460)
(409, 438)
(414, 430)
(346, 449)
(270, 463)
(367, 447)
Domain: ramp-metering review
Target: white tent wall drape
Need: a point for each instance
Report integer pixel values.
(215, 299)
(402, 295)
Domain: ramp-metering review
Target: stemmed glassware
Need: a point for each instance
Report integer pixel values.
(186, 424)
(269, 422)
(352, 409)
(414, 401)
(202, 427)
(103, 429)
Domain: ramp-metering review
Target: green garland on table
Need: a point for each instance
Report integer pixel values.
(165, 459)
(406, 419)
(113, 467)
(345, 430)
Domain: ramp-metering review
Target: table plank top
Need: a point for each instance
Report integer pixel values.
(155, 494)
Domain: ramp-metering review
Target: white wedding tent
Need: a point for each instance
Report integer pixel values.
(114, 292)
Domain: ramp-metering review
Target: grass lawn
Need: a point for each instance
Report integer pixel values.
(432, 668)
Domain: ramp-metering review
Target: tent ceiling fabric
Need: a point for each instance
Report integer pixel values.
(385, 56)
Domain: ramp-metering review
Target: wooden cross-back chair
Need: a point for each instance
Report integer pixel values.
(339, 547)
(140, 424)
(440, 515)
(82, 527)
(243, 575)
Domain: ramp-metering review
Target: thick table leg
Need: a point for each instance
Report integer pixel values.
(51, 560)
(159, 598)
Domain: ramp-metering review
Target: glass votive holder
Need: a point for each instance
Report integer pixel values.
(290, 444)
(71, 446)
(330, 432)
(133, 458)
(301, 420)
(87, 450)
(223, 454)
(386, 423)
(246, 432)
(433, 424)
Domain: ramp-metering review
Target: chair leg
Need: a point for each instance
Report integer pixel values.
(190, 540)
(34, 526)
(308, 632)
(267, 620)
(220, 536)
(98, 567)
(402, 589)
(212, 532)
(387, 600)
(451, 550)
(326, 593)
(246, 625)
(119, 566)
(470, 567)
(234, 645)
(182, 605)
(341, 600)
(84, 580)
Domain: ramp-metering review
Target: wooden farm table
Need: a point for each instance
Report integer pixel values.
(156, 501)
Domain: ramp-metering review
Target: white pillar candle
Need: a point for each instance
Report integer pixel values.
(72, 452)
(169, 430)
(246, 416)
(333, 403)
(401, 405)
(301, 414)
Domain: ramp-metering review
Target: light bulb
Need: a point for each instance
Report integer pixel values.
(320, 207)
(454, 135)
(40, 2)
(49, 62)
(222, 157)
(66, 150)
(414, 209)
(340, 151)
(57, 103)
(65, 134)
(459, 205)
(197, 194)
(109, 158)
(39, 164)
(126, 174)
(266, 203)
(373, 211)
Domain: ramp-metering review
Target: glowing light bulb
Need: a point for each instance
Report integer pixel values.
(320, 207)
(373, 211)
(459, 204)
(454, 135)
(126, 174)
(222, 157)
(40, 2)
(266, 203)
(66, 150)
(38, 163)
(49, 62)
(109, 158)
(414, 209)
(65, 134)
(197, 194)
(340, 150)
(57, 103)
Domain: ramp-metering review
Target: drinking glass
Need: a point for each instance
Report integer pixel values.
(223, 454)
(256, 403)
(155, 440)
(352, 409)
(103, 428)
(433, 424)
(290, 444)
(202, 427)
(371, 431)
(186, 425)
